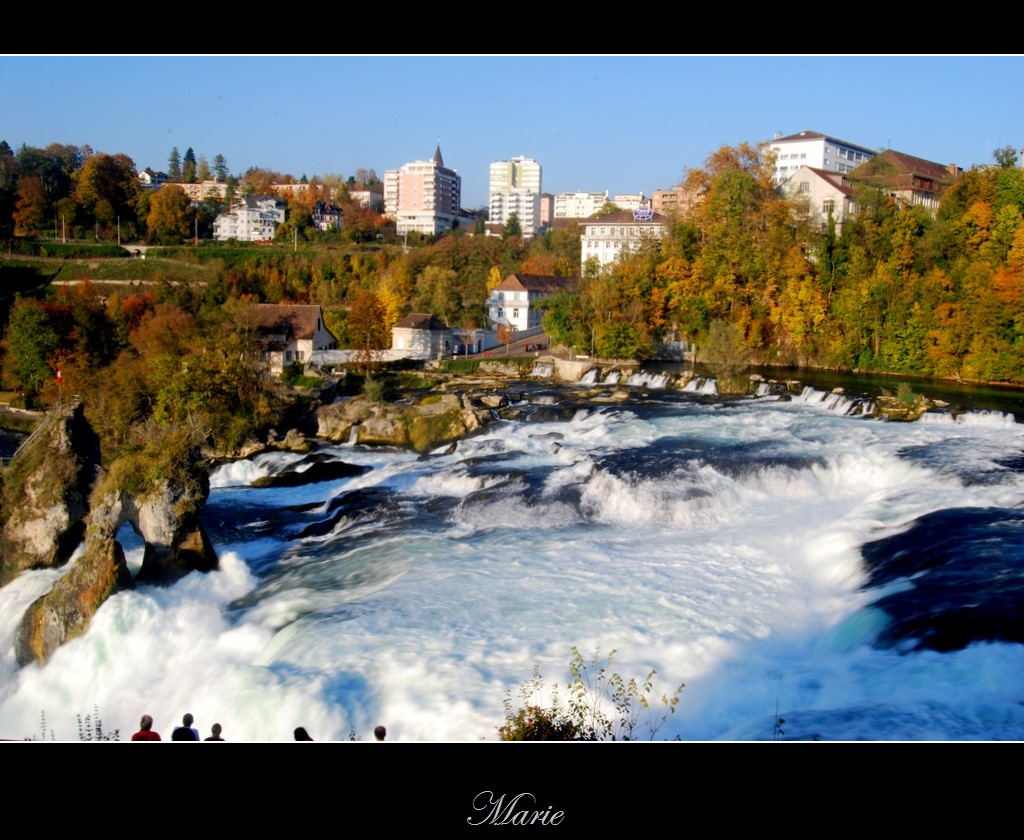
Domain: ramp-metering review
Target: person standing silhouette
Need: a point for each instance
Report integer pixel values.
(185, 732)
(146, 732)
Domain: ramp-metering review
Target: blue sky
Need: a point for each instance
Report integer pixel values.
(619, 123)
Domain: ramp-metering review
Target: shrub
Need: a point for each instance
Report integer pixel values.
(90, 728)
(602, 706)
(373, 389)
(534, 722)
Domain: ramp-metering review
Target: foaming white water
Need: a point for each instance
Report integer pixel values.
(650, 380)
(718, 545)
(245, 472)
(835, 401)
(701, 385)
(999, 419)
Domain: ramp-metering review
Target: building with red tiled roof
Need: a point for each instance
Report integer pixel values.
(912, 181)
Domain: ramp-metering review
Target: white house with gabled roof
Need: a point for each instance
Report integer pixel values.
(817, 193)
(513, 303)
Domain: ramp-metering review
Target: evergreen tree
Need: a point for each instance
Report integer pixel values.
(512, 227)
(220, 167)
(174, 165)
(188, 167)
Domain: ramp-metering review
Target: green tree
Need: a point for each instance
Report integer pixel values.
(55, 166)
(30, 347)
(607, 209)
(202, 169)
(9, 173)
(188, 166)
(512, 227)
(724, 350)
(220, 167)
(174, 165)
(1006, 157)
(437, 292)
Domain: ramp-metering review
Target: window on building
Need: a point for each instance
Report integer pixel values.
(828, 206)
(804, 186)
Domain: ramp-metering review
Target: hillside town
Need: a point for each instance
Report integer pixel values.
(817, 172)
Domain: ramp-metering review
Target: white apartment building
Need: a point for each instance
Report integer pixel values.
(525, 205)
(606, 238)
(515, 188)
(423, 196)
(518, 173)
(818, 151)
(579, 205)
(630, 201)
(367, 198)
(254, 219)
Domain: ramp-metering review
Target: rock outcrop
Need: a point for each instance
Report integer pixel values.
(46, 493)
(66, 610)
(422, 425)
(57, 500)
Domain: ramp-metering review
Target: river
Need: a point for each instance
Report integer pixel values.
(788, 559)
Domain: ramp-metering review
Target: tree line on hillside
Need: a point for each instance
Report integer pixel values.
(744, 272)
(899, 291)
(71, 192)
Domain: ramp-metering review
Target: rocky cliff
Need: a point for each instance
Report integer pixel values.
(57, 499)
(46, 491)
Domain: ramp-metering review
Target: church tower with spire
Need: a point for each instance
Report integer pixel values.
(423, 196)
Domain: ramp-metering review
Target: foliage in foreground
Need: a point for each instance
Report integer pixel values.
(602, 706)
(90, 728)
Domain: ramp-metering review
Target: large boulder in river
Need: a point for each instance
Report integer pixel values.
(428, 422)
(46, 492)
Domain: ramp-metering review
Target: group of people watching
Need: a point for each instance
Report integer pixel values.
(187, 732)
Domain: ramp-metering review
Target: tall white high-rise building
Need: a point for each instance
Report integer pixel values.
(515, 187)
